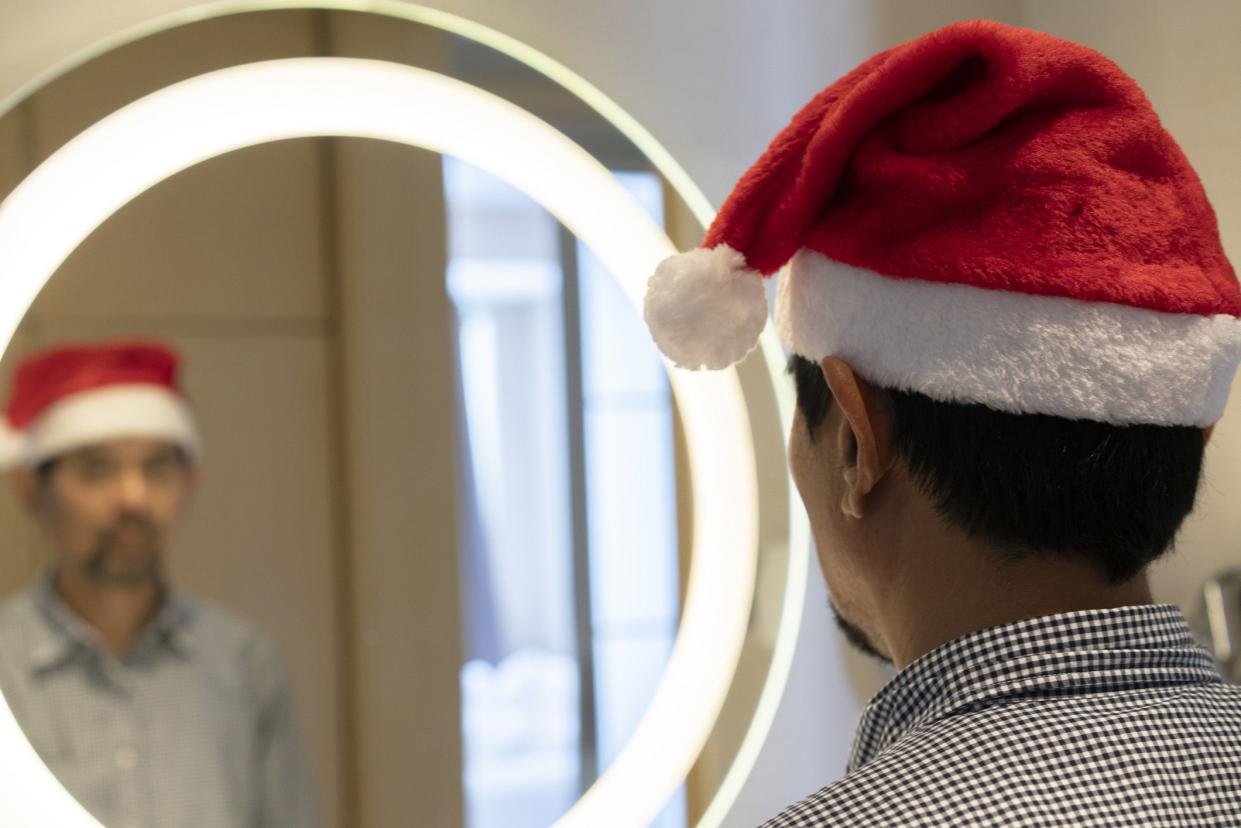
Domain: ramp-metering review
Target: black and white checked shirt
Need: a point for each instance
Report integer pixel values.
(1098, 717)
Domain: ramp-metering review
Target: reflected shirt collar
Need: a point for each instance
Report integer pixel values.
(62, 634)
(1076, 652)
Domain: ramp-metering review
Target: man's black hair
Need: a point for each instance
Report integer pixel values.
(1032, 484)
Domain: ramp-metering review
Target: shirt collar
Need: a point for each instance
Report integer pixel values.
(60, 634)
(1124, 648)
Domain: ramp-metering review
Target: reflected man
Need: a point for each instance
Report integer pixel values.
(152, 708)
(1013, 325)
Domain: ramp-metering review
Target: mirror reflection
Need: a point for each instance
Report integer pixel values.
(408, 527)
(104, 663)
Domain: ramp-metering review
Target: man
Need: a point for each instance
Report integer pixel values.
(1012, 326)
(151, 708)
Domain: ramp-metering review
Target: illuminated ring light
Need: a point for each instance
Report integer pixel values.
(33, 796)
(117, 159)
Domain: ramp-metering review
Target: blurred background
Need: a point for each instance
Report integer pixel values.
(443, 463)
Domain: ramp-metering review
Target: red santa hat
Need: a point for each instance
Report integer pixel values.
(71, 397)
(985, 215)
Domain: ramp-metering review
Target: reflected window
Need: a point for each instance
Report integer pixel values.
(567, 504)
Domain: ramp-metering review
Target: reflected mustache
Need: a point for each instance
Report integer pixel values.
(106, 549)
(129, 521)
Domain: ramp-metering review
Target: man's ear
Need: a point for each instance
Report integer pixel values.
(864, 437)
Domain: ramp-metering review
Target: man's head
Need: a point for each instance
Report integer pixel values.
(108, 508)
(102, 445)
(994, 221)
(879, 471)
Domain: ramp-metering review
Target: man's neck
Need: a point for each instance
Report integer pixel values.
(117, 613)
(957, 587)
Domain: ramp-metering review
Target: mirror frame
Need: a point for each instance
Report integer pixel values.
(634, 770)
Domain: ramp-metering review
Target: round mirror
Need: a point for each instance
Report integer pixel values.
(447, 485)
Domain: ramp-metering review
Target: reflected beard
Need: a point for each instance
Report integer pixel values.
(117, 562)
(857, 639)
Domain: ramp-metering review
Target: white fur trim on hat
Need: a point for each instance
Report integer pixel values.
(1011, 351)
(705, 308)
(109, 413)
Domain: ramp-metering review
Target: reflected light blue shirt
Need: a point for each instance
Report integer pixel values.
(193, 728)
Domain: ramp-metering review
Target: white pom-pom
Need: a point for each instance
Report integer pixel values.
(705, 308)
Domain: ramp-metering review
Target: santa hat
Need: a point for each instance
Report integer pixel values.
(985, 215)
(71, 397)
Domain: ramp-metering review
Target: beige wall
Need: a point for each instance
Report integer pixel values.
(402, 527)
(398, 384)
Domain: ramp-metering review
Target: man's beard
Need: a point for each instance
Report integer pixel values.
(859, 640)
(133, 561)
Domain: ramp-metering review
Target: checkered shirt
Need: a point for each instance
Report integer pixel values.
(1098, 717)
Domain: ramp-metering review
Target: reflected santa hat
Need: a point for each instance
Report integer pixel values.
(71, 397)
(986, 215)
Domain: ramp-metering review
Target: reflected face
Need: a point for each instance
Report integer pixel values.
(818, 471)
(108, 508)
